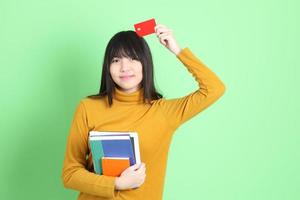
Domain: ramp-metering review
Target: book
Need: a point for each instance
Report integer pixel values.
(114, 166)
(133, 137)
(97, 154)
(113, 144)
(117, 146)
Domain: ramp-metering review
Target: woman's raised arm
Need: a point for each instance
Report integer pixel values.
(211, 88)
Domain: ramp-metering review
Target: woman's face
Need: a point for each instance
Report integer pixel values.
(127, 73)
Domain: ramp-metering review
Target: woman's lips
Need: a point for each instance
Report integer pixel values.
(125, 78)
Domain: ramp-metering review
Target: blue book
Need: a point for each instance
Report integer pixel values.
(118, 146)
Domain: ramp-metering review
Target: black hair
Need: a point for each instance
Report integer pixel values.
(128, 44)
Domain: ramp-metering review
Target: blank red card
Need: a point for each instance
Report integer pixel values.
(145, 28)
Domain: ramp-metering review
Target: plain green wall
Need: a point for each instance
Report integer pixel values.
(243, 147)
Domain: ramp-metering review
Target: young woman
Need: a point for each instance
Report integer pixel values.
(128, 101)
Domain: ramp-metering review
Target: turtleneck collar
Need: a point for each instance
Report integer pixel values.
(134, 97)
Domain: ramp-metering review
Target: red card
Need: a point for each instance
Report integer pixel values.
(145, 28)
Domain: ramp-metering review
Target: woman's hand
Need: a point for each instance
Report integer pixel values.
(166, 38)
(132, 177)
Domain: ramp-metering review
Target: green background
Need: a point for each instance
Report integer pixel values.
(243, 147)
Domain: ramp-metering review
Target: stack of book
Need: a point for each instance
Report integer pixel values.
(113, 152)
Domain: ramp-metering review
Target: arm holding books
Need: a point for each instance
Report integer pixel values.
(76, 176)
(74, 173)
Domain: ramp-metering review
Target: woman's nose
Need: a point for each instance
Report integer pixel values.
(125, 64)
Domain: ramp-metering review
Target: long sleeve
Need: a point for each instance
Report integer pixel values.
(74, 174)
(211, 88)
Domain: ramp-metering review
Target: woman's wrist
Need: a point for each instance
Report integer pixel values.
(117, 183)
(177, 51)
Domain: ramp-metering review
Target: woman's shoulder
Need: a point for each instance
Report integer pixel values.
(89, 102)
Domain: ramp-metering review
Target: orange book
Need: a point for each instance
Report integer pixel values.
(114, 166)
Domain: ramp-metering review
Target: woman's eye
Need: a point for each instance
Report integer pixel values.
(116, 60)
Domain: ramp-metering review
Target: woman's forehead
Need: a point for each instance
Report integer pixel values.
(121, 52)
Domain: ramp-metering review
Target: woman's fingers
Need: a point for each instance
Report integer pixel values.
(159, 29)
(159, 26)
(163, 33)
(133, 168)
(164, 37)
(142, 169)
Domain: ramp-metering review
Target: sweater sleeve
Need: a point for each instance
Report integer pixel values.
(211, 88)
(74, 174)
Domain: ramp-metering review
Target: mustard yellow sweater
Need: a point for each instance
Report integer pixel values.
(155, 124)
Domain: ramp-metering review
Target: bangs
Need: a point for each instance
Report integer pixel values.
(125, 52)
(126, 45)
